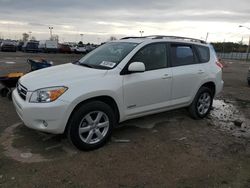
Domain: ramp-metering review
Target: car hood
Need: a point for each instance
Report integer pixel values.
(61, 75)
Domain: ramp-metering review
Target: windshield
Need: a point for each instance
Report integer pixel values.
(108, 55)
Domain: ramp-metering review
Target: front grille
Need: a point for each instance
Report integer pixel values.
(22, 91)
(8, 47)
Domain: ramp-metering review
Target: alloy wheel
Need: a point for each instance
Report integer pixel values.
(204, 103)
(93, 127)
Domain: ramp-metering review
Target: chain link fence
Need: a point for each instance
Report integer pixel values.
(234, 56)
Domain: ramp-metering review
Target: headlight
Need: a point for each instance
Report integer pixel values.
(47, 95)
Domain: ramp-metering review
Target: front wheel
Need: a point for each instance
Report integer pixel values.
(4, 92)
(201, 104)
(91, 125)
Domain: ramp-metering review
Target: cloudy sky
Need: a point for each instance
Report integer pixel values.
(100, 19)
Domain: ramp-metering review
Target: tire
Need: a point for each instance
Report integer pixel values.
(95, 133)
(4, 92)
(9, 95)
(248, 82)
(201, 104)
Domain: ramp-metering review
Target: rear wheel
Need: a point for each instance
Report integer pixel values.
(91, 125)
(201, 104)
(249, 82)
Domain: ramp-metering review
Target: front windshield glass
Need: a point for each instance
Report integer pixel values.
(108, 55)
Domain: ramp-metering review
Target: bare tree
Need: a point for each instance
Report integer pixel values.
(80, 43)
(112, 38)
(25, 37)
(33, 38)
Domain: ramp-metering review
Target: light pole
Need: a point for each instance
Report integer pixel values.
(51, 28)
(248, 48)
(223, 48)
(81, 36)
(207, 36)
(30, 34)
(141, 32)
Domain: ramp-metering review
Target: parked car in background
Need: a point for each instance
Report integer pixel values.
(48, 46)
(89, 48)
(72, 47)
(30, 46)
(20, 45)
(64, 48)
(248, 77)
(8, 46)
(80, 50)
(118, 81)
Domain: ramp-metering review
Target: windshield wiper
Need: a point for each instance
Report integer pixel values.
(86, 65)
(91, 66)
(83, 64)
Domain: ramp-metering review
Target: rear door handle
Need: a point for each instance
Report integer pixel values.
(166, 76)
(201, 72)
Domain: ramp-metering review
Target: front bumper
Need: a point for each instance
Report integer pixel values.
(47, 117)
(8, 49)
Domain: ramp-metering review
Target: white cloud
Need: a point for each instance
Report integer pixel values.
(100, 19)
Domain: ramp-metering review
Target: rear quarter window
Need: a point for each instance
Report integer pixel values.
(204, 53)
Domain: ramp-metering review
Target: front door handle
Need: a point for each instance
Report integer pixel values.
(166, 76)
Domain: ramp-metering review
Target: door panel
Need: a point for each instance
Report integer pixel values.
(187, 73)
(186, 79)
(151, 89)
(147, 91)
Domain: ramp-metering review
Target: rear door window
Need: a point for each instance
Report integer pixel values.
(182, 54)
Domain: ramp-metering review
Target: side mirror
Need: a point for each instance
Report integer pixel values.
(136, 67)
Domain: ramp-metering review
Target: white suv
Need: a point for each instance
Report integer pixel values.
(120, 80)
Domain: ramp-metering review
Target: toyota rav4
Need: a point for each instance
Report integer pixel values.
(120, 80)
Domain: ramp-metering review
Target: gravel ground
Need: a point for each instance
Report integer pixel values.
(164, 150)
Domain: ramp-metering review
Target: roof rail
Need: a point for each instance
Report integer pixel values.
(176, 37)
(131, 38)
(165, 37)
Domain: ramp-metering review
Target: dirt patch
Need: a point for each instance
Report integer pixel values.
(16, 141)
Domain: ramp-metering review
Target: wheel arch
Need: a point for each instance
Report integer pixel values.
(211, 85)
(103, 98)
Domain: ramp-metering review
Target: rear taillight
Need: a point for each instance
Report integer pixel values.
(219, 64)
